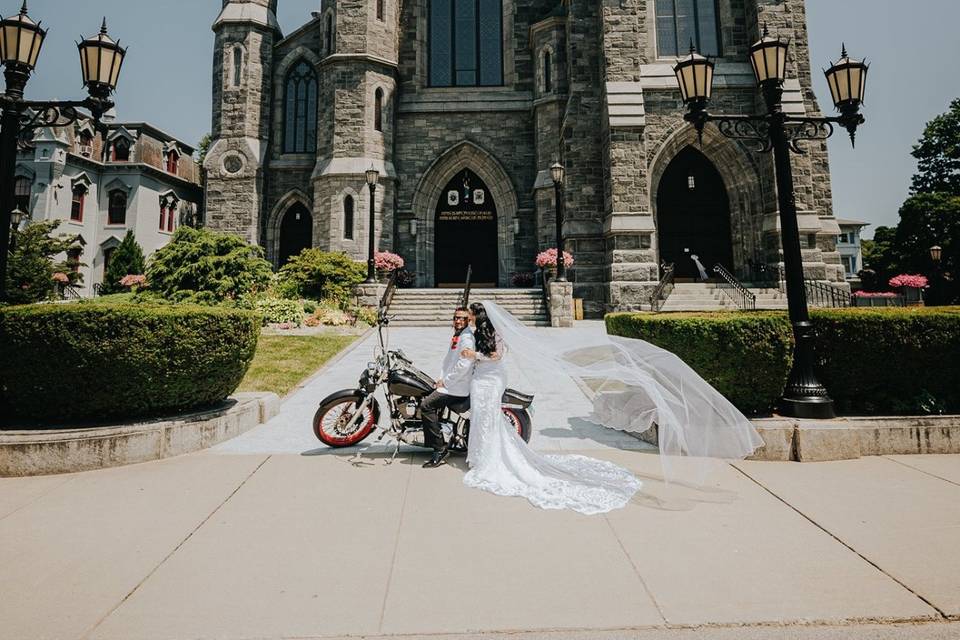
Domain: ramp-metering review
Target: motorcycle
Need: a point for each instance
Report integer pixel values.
(349, 416)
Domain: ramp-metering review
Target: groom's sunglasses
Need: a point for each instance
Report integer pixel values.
(461, 318)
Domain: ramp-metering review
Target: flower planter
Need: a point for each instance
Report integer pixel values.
(877, 301)
(912, 296)
(383, 275)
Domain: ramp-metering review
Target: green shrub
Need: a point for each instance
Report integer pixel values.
(30, 267)
(321, 275)
(203, 266)
(276, 310)
(898, 361)
(745, 356)
(872, 361)
(309, 306)
(126, 260)
(96, 361)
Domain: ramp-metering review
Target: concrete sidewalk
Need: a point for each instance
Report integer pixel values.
(310, 546)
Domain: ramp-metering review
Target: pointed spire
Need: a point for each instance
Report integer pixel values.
(103, 29)
(766, 31)
(693, 47)
(843, 50)
(23, 9)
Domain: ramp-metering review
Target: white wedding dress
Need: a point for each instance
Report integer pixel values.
(502, 463)
(634, 386)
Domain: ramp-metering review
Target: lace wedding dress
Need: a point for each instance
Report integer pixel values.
(502, 463)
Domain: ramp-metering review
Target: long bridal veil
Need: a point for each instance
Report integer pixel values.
(635, 386)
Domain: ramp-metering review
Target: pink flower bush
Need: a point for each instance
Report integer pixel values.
(907, 280)
(133, 280)
(386, 261)
(548, 258)
(873, 294)
(61, 277)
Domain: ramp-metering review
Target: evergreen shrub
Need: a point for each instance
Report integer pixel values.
(101, 361)
(320, 275)
(872, 361)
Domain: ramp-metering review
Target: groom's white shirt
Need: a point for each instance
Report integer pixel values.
(456, 369)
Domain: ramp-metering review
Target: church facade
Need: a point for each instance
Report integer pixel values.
(462, 106)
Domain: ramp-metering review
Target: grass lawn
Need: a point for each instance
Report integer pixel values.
(282, 362)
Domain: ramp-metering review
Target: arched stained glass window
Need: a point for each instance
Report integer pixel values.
(680, 22)
(465, 43)
(300, 110)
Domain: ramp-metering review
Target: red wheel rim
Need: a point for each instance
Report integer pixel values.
(342, 412)
(515, 419)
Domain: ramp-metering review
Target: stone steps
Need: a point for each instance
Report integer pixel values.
(710, 296)
(434, 307)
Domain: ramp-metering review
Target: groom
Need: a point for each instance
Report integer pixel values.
(452, 386)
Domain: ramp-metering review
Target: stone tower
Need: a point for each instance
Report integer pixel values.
(357, 83)
(245, 34)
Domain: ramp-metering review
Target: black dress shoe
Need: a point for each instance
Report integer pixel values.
(437, 459)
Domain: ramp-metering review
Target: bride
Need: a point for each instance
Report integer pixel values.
(635, 386)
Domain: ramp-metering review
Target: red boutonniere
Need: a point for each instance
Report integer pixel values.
(454, 342)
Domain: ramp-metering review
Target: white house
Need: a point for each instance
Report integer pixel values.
(848, 245)
(133, 177)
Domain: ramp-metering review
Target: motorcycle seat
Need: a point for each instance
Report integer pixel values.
(512, 396)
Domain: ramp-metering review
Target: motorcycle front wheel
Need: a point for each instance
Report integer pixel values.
(330, 422)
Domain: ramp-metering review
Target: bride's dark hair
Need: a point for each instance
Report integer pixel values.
(485, 334)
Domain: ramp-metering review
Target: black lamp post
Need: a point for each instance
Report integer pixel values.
(16, 217)
(20, 42)
(936, 255)
(804, 396)
(557, 172)
(372, 176)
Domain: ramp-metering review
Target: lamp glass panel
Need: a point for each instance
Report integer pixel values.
(118, 63)
(759, 64)
(10, 33)
(772, 63)
(26, 46)
(856, 83)
(708, 81)
(688, 82)
(834, 88)
(35, 52)
(843, 85)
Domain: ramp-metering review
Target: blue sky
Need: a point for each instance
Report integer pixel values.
(167, 78)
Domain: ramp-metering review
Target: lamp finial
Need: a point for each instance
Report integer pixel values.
(843, 50)
(23, 9)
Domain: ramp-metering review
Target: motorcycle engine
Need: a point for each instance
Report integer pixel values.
(409, 407)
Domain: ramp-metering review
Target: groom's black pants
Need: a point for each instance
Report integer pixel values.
(430, 412)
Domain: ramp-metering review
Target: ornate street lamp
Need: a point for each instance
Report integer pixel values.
(936, 253)
(21, 40)
(372, 177)
(804, 396)
(557, 172)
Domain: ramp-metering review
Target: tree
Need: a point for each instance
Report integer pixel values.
(30, 268)
(938, 154)
(127, 260)
(880, 257)
(200, 265)
(202, 147)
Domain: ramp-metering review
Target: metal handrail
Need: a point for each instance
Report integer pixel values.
(824, 294)
(747, 299)
(666, 281)
(69, 292)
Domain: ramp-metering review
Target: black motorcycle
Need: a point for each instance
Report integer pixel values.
(349, 416)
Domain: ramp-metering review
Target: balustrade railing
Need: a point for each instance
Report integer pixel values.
(734, 289)
(824, 294)
(664, 288)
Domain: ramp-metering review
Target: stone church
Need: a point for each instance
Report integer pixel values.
(463, 105)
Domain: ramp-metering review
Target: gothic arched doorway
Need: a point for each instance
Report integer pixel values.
(693, 215)
(466, 232)
(296, 233)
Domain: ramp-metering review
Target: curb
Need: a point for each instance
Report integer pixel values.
(53, 451)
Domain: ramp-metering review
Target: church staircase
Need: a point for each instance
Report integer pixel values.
(434, 307)
(710, 296)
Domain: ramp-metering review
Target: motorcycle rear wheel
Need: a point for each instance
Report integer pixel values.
(336, 411)
(520, 420)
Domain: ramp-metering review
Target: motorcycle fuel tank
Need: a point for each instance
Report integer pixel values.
(402, 383)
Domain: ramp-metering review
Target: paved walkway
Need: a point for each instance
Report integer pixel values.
(557, 399)
(270, 536)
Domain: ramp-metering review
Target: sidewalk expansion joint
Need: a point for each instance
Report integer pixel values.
(93, 628)
(873, 564)
(39, 497)
(924, 472)
(396, 549)
(636, 570)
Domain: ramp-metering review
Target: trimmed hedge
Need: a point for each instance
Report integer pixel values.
(872, 361)
(890, 361)
(90, 362)
(745, 356)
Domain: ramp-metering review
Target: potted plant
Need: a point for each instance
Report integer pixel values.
(911, 285)
(547, 261)
(876, 299)
(523, 279)
(386, 262)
